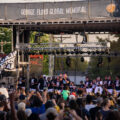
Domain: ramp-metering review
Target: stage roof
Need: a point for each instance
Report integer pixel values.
(59, 15)
(34, 1)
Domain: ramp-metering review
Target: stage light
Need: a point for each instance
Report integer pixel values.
(76, 52)
(109, 59)
(115, 54)
(102, 52)
(67, 52)
(72, 52)
(93, 52)
(62, 52)
(97, 52)
(82, 59)
(57, 52)
(81, 52)
(100, 60)
(68, 61)
(88, 52)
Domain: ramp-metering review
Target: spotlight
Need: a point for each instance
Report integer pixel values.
(115, 54)
(107, 52)
(109, 59)
(68, 61)
(102, 52)
(67, 52)
(97, 52)
(93, 52)
(81, 52)
(88, 52)
(62, 52)
(57, 52)
(82, 59)
(100, 60)
(76, 52)
(72, 52)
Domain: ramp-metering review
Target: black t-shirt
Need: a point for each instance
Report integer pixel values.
(33, 82)
(21, 82)
(104, 113)
(93, 112)
(41, 81)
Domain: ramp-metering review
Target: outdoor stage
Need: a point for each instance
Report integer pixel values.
(59, 17)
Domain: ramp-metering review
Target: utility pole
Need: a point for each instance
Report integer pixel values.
(51, 60)
(76, 61)
(28, 73)
(18, 56)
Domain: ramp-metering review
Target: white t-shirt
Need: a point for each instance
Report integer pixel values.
(89, 106)
(4, 92)
(98, 89)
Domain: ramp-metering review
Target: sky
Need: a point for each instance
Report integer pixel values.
(25, 1)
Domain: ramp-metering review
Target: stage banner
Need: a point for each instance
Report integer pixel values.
(8, 61)
(70, 10)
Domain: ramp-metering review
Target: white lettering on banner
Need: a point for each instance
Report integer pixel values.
(8, 61)
(27, 11)
(42, 11)
(51, 11)
(54, 11)
(76, 10)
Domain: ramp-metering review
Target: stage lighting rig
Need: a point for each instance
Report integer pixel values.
(72, 52)
(68, 61)
(109, 59)
(100, 60)
(82, 59)
(57, 52)
(67, 52)
(88, 52)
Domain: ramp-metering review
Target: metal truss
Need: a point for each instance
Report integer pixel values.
(64, 46)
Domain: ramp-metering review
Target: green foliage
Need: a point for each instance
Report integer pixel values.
(44, 38)
(106, 68)
(5, 36)
(76, 64)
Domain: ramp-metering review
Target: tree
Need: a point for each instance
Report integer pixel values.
(43, 38)
(110, 65)
(6, 35)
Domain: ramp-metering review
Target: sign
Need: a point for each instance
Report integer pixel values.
(84, 9)
(8, 61)
(35, 59)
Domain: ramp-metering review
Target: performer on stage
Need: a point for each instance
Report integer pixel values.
(117, 83)
(33, 82)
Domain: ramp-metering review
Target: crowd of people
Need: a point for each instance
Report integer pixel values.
(57, 98)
